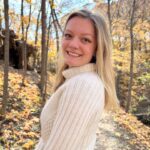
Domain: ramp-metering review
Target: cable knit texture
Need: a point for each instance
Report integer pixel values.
(69, 119)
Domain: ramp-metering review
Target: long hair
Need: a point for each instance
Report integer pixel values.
(103, 62)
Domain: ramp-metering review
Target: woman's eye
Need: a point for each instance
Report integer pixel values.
(67, 36)
(86, 40)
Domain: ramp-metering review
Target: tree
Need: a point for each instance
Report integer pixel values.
(25, 46)
(55, 22)
(6, 58)
(36, 62)
(44, 51)
(23, 39)
(22, 22)
(109, 14)
(37, 27)
(0, 20)
(132, 55)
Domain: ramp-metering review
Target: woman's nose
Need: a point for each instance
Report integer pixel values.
(74, 43)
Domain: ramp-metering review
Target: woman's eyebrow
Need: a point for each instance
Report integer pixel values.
(67, 30)
(88, 34)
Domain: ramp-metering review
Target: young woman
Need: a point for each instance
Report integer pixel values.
(85, 86)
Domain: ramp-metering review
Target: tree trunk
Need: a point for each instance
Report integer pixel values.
(132, 56)
(22, 23)
(23, 39)
(6, 58)
(118, 9)
(57, 20)
(36, 38)
(56, 31)
(56, 23)
(47, 46)
(0, 20)
(143, 10)
(44, 51)
(49, 28)
(109, 14)
(37, 27)
(25, 47)
(27, 28)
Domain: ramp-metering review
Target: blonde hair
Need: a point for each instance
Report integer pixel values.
(104, 63)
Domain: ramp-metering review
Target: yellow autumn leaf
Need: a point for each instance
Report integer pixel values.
(117, 134)
(141, 35)
(35, 119)
(52, 3)
(29, 1)
(28, 145)
(31, 134)
(25, 19)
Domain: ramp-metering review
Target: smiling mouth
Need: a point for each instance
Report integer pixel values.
(73, 54)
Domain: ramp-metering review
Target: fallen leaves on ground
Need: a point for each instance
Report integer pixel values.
(20, 129)
(140, 131)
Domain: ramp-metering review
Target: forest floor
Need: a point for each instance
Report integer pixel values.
(20, 128)
(122, 131)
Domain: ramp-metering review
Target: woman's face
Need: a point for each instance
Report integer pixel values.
(79, 42)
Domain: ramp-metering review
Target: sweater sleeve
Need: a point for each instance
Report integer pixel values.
(77, 104)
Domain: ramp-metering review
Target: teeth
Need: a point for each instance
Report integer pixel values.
(73, 54)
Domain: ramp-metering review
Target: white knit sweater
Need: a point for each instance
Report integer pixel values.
(69, 120)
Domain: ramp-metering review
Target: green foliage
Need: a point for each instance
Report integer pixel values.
(144, 78)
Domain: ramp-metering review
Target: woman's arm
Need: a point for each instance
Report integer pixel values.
(78, 103)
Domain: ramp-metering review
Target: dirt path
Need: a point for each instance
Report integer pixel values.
(111, 136)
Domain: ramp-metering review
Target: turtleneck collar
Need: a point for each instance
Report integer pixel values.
(70, 72)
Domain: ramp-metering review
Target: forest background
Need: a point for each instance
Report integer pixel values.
(30, 36)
